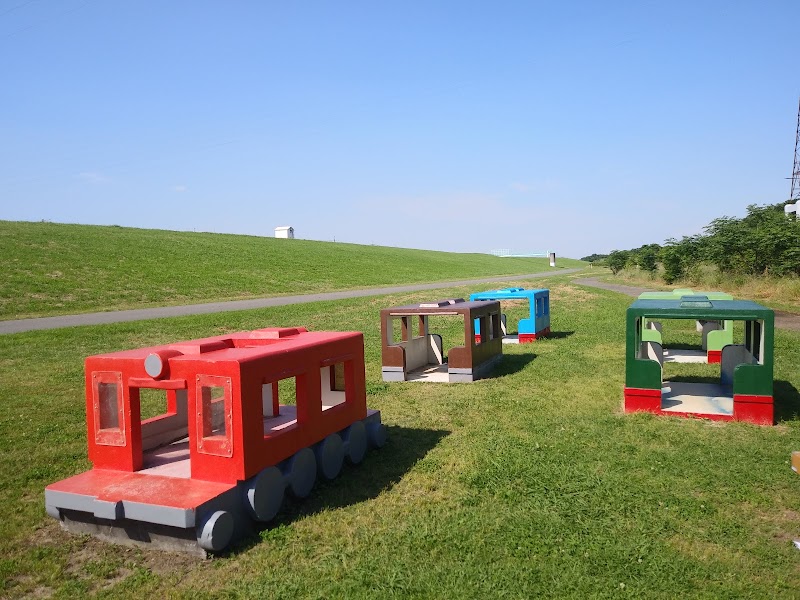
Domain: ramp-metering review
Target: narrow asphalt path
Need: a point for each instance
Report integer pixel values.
(783, 320)
(139, 314)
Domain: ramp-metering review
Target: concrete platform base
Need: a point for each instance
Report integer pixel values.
(697, 398)
(433, 373)
(430, 373)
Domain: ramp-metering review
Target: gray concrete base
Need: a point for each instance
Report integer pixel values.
(85, 514)
(442, 373)
(393, 374)
(483, 369)
(133, 533)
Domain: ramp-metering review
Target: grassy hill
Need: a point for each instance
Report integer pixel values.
(52, 268)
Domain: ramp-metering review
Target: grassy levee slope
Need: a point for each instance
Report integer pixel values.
(54, 269)
(528, 484)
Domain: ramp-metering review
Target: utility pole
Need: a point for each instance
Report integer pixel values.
(795, 193)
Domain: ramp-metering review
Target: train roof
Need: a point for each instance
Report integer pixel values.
(448, 306)
(509, 294)
(239, 345)
(700, 307)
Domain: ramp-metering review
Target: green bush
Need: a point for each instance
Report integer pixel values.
(617, 260)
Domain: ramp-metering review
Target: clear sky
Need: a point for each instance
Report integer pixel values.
(571, 126)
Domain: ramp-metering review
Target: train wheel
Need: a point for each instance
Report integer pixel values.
(302, 471)
(265, 494)
(330, 456)
(356, 438)
(215, 532)
(376, 432)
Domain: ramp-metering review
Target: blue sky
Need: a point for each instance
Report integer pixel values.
(574, 126)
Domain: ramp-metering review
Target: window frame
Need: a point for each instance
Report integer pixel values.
(215, 445)
(108, 436)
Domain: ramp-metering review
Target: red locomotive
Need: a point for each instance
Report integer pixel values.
(225, 448)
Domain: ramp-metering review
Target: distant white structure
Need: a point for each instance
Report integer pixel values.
(791, 208)
(284, 232)
(506, 253)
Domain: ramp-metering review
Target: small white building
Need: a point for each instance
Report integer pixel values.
(284, 232)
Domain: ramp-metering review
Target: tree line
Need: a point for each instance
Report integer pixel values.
(764, 242)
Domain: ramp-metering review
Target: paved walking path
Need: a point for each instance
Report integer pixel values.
(20, 325)
(783, 320)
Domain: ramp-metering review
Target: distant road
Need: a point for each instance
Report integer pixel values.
(140, 314)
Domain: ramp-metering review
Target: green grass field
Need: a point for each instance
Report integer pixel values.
(54, 269)
(529, 484)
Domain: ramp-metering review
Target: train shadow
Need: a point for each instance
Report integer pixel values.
(510, 364)
(787, 401)
(553, 335)
(558, 335)
(380, 470)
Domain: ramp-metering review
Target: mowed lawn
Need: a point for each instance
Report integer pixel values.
(55, 269)
(528, 484)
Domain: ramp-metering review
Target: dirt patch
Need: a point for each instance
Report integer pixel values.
(785, 320)
(98, 564)
(569, 292)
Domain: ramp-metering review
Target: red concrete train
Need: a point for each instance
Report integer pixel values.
(223, 449)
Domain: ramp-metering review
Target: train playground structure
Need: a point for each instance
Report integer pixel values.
(223, 450)
(535, 326)
(410, 351)
(745, 388)
(715, 335)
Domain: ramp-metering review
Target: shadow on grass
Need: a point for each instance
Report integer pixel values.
(380, 470)
(511, 363)
(787, 401)
(559, 335)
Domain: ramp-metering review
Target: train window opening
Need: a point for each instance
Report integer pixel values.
(215, 415)
(487, 328)
(164, 416)
(513, 311)
(679, 334)
(269, 400)
(214, 409)
(108, 408)
(483, 328)
(754, 339)
(109, 404)
(333, 383)
(279, 403)
(152, 403)
(691, 372)
(287, 391)
(396, 326)
(451, 331)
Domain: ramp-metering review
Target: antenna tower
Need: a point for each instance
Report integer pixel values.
(795, 194)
